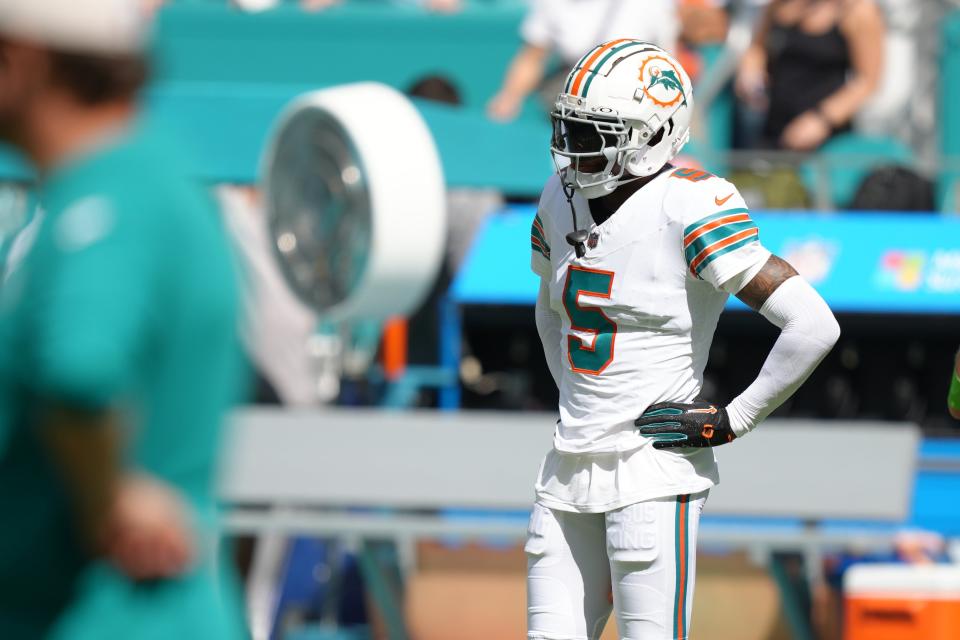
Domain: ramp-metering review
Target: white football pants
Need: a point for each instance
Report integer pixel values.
(639, 560)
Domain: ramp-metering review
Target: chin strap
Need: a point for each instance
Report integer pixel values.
(578, 236)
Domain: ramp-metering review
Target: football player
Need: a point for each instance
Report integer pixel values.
(637, 258)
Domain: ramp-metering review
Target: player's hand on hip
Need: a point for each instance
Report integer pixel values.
(676, 424)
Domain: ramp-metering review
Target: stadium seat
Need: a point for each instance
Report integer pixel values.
(848, 158)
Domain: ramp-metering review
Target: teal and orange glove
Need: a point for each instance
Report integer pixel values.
(676, 424)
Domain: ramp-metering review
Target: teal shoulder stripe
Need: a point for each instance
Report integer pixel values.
(538, 249)
(538, 225)
(715, 235)
(719, 214)
(732, 247)
(603, 60)
(535, 233)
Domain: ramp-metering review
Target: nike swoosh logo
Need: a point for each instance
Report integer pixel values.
(721, 201)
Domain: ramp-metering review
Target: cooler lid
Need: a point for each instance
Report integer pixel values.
(880, 579)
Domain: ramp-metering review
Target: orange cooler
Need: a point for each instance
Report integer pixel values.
(902, 602)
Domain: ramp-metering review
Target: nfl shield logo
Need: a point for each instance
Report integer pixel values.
(592, 240)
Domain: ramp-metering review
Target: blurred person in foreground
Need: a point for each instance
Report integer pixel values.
(567, 28)
(637, 258)
(118, 347)
(811, 67)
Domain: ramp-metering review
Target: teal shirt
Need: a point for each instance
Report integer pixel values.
(126, 300)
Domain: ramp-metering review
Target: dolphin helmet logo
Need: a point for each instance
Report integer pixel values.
(662, 83)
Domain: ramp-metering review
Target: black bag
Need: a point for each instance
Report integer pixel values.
(894, 188)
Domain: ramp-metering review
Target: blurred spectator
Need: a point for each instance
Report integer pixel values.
(568, 28)
(436, 89)
(895, 103)
(812, 66)
(702, 22)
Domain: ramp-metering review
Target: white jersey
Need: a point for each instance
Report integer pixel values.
(638, 314)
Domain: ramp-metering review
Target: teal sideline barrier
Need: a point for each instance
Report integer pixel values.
(226, 126)
(860, 263)
(396, 45)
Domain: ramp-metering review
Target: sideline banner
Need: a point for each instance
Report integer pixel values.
(858, 261)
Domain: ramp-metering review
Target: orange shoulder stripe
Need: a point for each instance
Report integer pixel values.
(716, 246)
(713, 224)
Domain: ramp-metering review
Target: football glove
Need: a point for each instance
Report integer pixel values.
(676, 424)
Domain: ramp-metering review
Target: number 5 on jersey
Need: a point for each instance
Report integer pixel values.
(593, 356)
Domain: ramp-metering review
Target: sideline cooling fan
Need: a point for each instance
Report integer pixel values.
(355, 200)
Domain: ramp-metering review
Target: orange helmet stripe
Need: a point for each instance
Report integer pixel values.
(591, 60)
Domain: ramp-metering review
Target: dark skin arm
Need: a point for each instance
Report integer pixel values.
(774, 273)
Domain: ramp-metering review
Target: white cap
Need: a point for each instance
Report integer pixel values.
(81, 26)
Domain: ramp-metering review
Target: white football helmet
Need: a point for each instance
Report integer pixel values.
(626, 104)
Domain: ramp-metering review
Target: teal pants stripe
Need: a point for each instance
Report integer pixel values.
(681, 549)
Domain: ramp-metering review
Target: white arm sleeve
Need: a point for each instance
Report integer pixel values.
(808, 332)
(548, 326)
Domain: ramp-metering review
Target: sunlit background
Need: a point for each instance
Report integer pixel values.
(377, 485)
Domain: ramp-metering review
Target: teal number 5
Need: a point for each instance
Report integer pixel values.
(594, 356)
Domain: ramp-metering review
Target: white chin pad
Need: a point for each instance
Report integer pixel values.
(609, 153)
